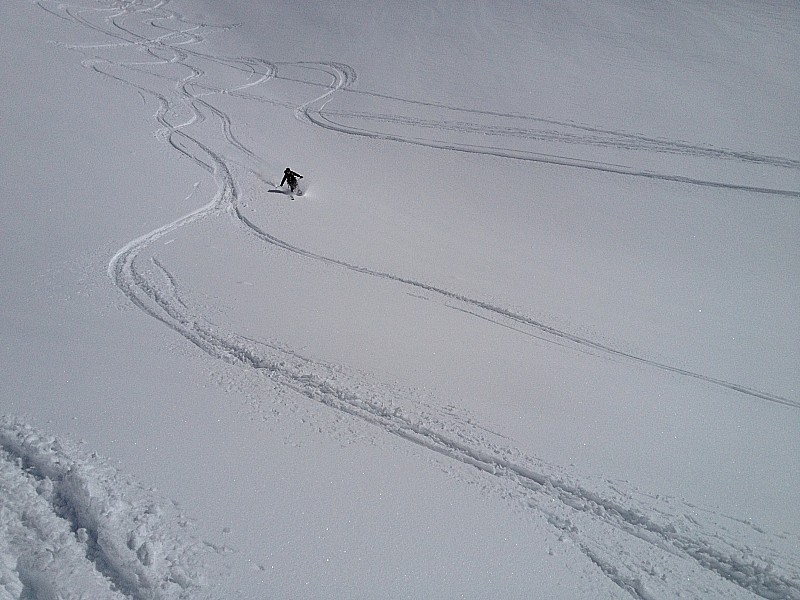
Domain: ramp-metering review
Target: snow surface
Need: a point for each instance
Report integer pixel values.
(532, 330)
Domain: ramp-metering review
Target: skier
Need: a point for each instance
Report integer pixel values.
(291, 178)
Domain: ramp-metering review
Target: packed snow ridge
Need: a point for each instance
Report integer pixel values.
(73, 526)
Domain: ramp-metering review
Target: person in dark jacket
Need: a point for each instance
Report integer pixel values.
(291, 178)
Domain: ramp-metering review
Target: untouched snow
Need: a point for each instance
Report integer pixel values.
(531, 331)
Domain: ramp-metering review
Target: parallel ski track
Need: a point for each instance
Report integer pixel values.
(158, 297)
(566, 132)
(586, 135)
(321, 119)
(520, 319)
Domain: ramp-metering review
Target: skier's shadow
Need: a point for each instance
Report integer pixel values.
(284, 192)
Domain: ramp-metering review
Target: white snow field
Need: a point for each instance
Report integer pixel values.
(531, 331)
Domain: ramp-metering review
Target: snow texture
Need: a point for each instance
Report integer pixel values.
(594, 351)
(73, 526)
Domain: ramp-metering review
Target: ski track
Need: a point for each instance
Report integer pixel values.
(568, 133)
(600, 524)
(74, 526)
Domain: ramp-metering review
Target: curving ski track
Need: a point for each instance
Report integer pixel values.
(589, 518)
(520, 128)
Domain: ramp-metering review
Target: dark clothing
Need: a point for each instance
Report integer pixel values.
(291, 178)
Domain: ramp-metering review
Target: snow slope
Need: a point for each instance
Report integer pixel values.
(531, 331)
